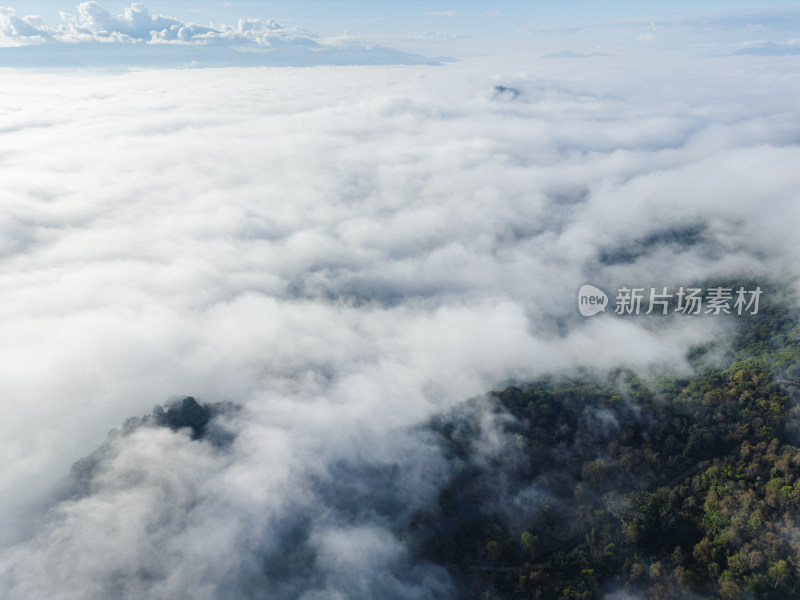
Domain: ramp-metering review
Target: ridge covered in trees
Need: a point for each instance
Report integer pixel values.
(626, 486)
(623, 485)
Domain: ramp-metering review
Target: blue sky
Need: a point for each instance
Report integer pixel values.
(413, 32)
(365, 17)
(357, 32)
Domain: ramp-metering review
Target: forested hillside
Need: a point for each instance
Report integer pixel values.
(626, 486)
(620, 485)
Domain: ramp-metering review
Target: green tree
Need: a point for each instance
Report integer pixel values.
(779, 572)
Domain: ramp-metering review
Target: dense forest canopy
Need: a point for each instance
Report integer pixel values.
(632, 485)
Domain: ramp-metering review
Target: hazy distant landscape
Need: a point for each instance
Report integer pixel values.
(287, 312)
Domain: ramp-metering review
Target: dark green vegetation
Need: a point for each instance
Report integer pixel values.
(631, 486)
(185, 413)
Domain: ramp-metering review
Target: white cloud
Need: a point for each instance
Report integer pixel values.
(136, 24)
(442, 13)
(343, 251)
(28, 28)
(142, 39)
(766, 48)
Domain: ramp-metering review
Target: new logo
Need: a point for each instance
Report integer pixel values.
(591, 300)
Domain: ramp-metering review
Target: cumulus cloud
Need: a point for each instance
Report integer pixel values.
(27, 28)
(25, 42)
(343, 253)
(136, 24)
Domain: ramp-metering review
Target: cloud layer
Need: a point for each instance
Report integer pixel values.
(343, 252)
(93, 23)
(95, 37)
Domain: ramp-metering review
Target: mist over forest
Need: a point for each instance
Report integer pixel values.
(281, 332)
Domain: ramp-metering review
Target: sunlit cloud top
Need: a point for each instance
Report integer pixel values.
(27, 40)
(93, 23)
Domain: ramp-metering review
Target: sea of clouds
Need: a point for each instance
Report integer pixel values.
(343, 252)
